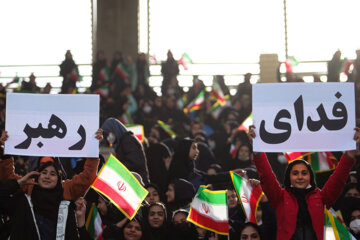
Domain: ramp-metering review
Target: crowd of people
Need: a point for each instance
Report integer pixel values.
(36, 192)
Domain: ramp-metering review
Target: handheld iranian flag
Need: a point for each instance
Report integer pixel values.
(333, 229)
(291, 156)
(217, 93)
(126, 118)
(138, 131)
(105, 74)
(167, 129)
(123, 71)
(117, 183)
(209, 210)
(185, 60)
(94, 224)
(244, 126)
(248, 196)
(217, 107)
(322, 161)
(196, 104)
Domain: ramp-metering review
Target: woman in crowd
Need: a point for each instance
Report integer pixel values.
(133, 230)
(153, 195)
(181, 229)
(353, 222)
(236, 214)
(179, 195)
(156, 222)
(183, 166)
(250, 231)
(47, 198)
(127, 147)
(159, 158)
(300, 205)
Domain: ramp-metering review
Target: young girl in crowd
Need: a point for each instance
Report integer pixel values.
(133, 230)
(156, 222)
(45, 211)
(153, 195)
(300, 205)
(250, 231)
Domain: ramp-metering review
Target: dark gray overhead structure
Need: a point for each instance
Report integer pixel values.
(115, 26)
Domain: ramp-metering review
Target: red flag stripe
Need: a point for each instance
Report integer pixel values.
(208, 223)
(254, 200)
(121, 73)
(114, 196)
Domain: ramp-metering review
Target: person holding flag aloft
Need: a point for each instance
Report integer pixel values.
(300, 205)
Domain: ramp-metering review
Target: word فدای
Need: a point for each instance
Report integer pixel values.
(339, 111)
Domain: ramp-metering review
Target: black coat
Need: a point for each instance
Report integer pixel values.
(23, 225)
(128, 148)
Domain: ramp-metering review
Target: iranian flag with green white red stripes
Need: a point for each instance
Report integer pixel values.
(248, 196)
(209, 210)
(195, 104)
(322, 161)
(137, 130)
(118, 184)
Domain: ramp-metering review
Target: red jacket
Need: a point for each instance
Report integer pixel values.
(285, 203)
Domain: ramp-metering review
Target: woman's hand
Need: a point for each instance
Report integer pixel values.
(254, 183)
(28, 179)
(80, 212)
(251, 136)
(357, 139)
(240, 172)
(4, 137)
(251, 133)
(99, 134)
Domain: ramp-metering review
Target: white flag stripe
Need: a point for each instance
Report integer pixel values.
(109, 176)
(216, 212)
(329, 233)
(323, 163)
(245, 190)
(98, 226)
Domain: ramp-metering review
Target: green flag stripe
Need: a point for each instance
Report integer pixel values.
(343, 232)
(120, 169)
(315, 164)
(213, 197)
(91, 228)
(237, 181)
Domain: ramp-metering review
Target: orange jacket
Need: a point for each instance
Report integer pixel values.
(73, 188)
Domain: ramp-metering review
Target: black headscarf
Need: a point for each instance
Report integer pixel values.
(46, 201)
(287, 182)
(157, 171)
(160, 233)
(304, 228)
(138, 219)
(181, 165)
(115, 126)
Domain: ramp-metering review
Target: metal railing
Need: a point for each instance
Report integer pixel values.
(233, 73)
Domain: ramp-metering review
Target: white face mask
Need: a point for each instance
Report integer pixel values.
(111, 138)
(147, 109)
(355, 226)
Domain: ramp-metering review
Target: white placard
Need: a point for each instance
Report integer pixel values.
(303, 117)
(61, 125)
